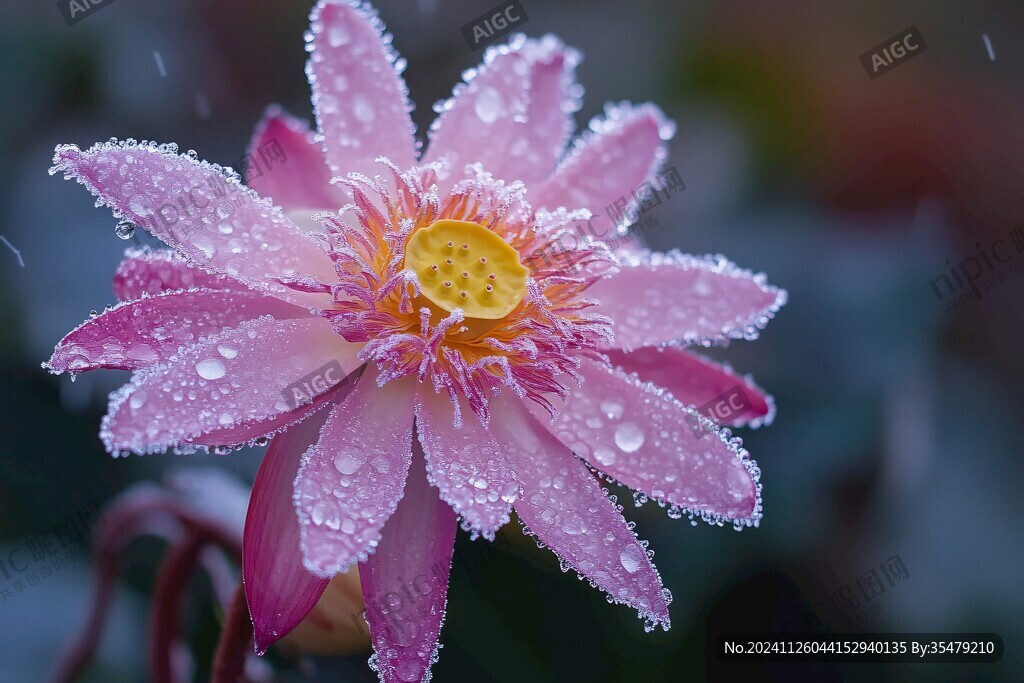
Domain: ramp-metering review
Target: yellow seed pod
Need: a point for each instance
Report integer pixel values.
(465, 265)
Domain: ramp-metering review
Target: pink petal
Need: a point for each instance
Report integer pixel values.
(352, 479)
(554, 96)
(279, 591)
(650, 442)
(257, 431)
(135, 334)
(619, 153)
(479, 126)
(513, 115)
(213, 220)
(405, 582)
(146, 271)
(361, 102)
(658, 298)
(465, 464)
(697, 381)
(234, 379)
(573, 515)
(303, 180)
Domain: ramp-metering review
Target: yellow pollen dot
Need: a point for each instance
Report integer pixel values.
(489, 299)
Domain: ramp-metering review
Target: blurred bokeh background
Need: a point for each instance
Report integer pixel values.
(898, 422)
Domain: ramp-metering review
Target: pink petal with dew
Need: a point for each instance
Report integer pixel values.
(152, 271)
(278, 589)
(554, 97)
(478, 124)
(136, 334)
(361, 102)
(465, 463)
(206, 214)
(657, 299)
(620, 152)
(302, 180)
(513, 114)
(695, 380)
(650, 442)
(568, 510)
(352, 479)
(241, 376)
(405, 582)
(257, 432)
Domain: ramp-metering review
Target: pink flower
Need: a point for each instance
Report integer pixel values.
(492, 351)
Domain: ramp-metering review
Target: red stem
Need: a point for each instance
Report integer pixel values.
(235, 642)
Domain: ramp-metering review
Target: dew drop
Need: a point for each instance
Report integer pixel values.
(488, 105)
(210, 368)
(605, 456)
(124, 230)
(138, 399)
(337, 35)
(348, 463)
(408, 670)
(227, 350)
(611, 409)
(631, 558)
(629, 437)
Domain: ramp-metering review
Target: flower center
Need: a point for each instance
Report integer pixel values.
(464, 265)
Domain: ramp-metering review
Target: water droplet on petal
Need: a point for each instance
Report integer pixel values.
(605, 456)
(348, 463)
(629, 437)
(227, 350)
(611, 409)
(631, 558)
(210, 368)
(488, 105)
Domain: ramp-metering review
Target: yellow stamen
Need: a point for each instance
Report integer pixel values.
(487, 294)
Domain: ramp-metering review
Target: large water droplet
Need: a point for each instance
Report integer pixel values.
(227, 350)
(210, 368)
(488, 105)
(337, 35)
(631, 558)
(611, 409)
(629, 437)
(605, 456)
(348, 463)
(363, 109)
(124, 230)
(138, 399)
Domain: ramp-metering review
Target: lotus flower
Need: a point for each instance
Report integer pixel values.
(492, 351)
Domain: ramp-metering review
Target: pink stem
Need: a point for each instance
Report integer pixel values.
(129, 516)
(235, 642)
